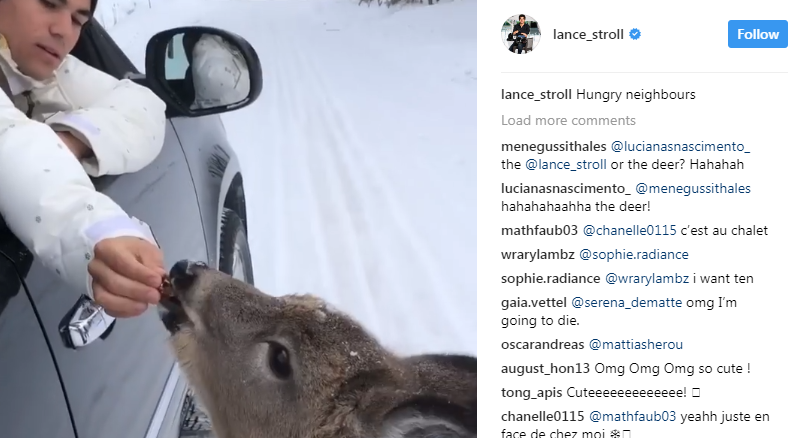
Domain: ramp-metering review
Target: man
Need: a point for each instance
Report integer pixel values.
(61, 121)
(523, 29)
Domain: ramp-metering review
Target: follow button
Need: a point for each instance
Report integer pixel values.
(747, 34)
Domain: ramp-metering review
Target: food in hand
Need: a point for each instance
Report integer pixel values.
(165, 289)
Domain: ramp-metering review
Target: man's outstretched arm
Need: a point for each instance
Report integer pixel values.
(49, 202)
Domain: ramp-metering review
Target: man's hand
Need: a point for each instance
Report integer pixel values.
(127, 272)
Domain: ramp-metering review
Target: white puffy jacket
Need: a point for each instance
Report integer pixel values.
(220, 73)
(46, 196)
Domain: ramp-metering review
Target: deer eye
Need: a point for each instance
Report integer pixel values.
(279, 361)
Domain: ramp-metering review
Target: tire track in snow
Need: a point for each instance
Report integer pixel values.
(348, 223)
(298, 106)
(421, 158)
(291, 120)
(277, 245)
(338, 219)
(358, 171)
(325, 220)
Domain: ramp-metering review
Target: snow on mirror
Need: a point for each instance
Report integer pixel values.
(206, 70)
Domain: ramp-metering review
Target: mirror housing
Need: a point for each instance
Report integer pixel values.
(199, 70)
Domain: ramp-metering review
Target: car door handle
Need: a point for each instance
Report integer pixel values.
(85, 323)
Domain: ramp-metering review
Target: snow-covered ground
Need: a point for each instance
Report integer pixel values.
(358, 158)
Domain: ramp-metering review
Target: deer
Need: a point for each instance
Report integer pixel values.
(293, 366)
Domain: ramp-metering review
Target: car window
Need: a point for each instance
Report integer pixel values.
(97, 49)
(30, 388)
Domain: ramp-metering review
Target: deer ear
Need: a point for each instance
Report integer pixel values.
(430, 417)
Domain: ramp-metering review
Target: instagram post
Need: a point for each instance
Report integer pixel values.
(310, 219)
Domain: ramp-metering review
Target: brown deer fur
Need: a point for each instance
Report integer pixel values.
(293, 367)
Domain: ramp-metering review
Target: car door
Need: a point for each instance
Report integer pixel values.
(31, 396)
(127, 385)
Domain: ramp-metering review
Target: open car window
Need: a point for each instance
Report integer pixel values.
(15, 261)
(97, 49)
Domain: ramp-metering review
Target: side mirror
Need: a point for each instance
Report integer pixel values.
(200, 70)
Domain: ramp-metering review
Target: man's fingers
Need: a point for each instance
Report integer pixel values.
(116, 306)
(152, 257)
(125, 262)
(120, 286)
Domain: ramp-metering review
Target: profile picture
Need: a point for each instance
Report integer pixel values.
(521, 33)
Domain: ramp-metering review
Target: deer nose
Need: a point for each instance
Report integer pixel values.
(184, 273)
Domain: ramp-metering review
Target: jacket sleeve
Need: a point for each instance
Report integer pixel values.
(49, 202)
(122, 122)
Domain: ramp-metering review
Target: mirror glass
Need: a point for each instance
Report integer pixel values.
(206, 70)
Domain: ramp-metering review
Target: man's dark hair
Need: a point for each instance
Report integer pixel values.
(522, 16)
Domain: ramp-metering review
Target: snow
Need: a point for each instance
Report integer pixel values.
(358, 158)
(112, 12)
